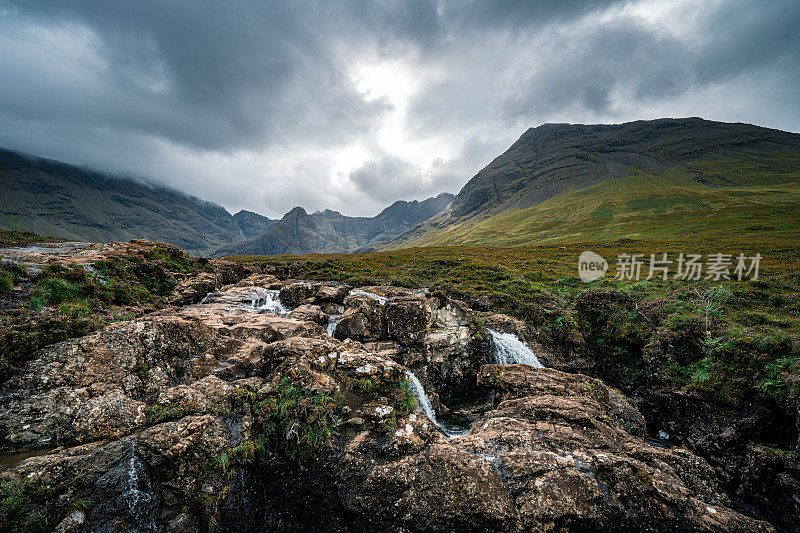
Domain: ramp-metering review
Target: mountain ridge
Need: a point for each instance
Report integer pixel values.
(610, 181)
(329, 231)
(57, 199)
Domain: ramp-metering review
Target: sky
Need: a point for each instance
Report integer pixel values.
(265, 106)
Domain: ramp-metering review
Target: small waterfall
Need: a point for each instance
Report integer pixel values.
(509, 350)
(427, 408)
(377, 297)
(268, 301)
(140, 500)
(205, 298)
(333, 320)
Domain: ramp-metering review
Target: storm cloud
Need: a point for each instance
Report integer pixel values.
(350, 105)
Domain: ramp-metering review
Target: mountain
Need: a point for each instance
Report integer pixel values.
(60, 200)
(253, 224)
(663, 178)
(329, 231)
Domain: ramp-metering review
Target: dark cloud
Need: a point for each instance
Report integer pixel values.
(265, 105)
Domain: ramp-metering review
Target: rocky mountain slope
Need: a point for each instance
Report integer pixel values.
(663, 178)
(329, 231)
(61, 200)
(253, 224)
(218, 413)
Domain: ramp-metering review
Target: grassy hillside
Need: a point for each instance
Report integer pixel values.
(648, 188)
(64, 201)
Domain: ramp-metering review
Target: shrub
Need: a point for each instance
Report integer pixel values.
(296, 419)
(407, 401)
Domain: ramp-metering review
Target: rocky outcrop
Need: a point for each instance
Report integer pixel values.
(294, 294)
(362, 320)
(407, 319)
(216, 415)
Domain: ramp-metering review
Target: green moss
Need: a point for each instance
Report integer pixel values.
(365, 385)
(162, 413)
(245, 453)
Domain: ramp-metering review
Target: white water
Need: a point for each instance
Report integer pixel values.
(509, 350)
(268, 301)
(377, 297)
(205, 298)
(139, 501)
(427, 408)
(330, 328)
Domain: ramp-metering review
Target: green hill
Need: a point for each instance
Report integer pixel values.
(660, 179)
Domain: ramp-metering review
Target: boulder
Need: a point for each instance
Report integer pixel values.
(310, 313)
(362, 319)
(332, 294)
(407, 319)
(294, 294)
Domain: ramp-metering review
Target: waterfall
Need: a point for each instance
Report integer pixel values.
(427, 408)
(377, 297)
(509, 350)
(268, 301)
(141, 503)
(205, 298)
(330, 328)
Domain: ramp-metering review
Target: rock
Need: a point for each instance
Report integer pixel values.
(452, 357)
(105, 417)
(268, 281)
(362, 319)
(332, 294)
(193, 289)
(407, 319)
(85, 389)
(448, 313)
(567, 458)
(310, 313)
(294, 294)
(245, 324)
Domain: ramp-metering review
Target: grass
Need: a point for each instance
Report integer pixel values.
(734, 196)
(162, 413)
(296, 419)
(16, 238)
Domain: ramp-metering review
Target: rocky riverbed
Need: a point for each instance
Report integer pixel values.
(238, 405)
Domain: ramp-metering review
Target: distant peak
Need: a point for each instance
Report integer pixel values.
(328, 212)
(295, 212)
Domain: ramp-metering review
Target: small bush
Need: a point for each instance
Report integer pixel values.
(407, 401)
(296, 419)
